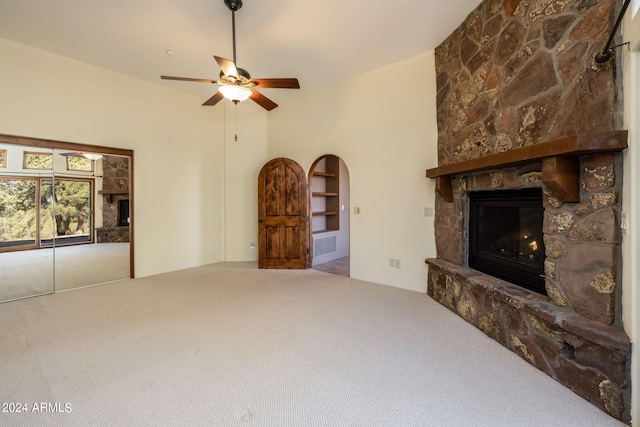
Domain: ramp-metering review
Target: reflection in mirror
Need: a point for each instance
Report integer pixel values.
(26, 264)
(64, 216)
(91, 217)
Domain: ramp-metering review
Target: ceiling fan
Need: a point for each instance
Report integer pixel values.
(235, 83)
(90, 156)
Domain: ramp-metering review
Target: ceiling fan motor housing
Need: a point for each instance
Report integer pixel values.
(241, 73)
(233, 5)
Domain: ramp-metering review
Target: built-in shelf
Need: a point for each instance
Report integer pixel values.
(327, 174)
(325, 213)
(323, 231)
(560, 162)
(326, 197)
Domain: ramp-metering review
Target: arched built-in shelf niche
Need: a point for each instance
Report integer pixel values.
(329, 187)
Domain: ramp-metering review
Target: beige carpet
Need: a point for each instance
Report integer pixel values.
(231, 345)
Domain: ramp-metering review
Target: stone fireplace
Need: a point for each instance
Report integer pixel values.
(115, 196)
(522, 105)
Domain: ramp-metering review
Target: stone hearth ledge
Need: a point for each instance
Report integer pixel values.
(539, 306)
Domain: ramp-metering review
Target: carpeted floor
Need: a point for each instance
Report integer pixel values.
(231, 345)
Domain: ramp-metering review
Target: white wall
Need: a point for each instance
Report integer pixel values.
(178, 146)
(243, 160)
(344, 234)
(631, 200)
(383, 125)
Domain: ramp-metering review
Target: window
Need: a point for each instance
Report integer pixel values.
(77, 163)
(29, 218)
(37, 160)
(18, 213)
(3, 158)
(65, 211)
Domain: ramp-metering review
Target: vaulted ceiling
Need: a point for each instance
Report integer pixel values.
(319, 42)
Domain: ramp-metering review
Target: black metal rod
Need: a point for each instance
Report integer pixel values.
(605, 55)
(233, 29)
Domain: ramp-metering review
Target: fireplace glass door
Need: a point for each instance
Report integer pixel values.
(505, 236)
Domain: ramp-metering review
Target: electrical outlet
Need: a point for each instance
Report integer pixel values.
(397, 263)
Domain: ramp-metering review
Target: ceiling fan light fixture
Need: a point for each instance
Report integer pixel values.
(235, 93)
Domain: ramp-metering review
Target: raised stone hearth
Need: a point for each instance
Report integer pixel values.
(518, 74)
(587, 356)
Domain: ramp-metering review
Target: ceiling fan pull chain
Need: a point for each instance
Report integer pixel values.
(235, 118)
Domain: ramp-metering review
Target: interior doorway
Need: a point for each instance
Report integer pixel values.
(330, 222)
(282, 216)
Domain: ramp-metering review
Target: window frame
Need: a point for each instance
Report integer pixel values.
(36, 153)
(92, 169)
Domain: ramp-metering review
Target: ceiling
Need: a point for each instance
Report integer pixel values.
(319, 42)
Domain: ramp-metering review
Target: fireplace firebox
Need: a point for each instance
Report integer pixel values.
(505, 236)
(123, 213)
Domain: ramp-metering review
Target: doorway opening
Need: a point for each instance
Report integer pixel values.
(330, 225)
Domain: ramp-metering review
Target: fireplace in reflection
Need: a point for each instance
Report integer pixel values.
(505, 236)
(123, 213)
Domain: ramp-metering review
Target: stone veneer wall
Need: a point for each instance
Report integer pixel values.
(516, 73)
(115, 172)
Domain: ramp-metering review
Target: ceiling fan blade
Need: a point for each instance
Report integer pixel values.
(188, 79)
(72, 154)
(262, 100)
(227, 66)
(214, 99)
(289, 83)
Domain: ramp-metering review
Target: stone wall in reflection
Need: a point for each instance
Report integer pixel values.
(115, 187)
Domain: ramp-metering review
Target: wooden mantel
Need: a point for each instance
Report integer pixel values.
(560, 162)
(111, 193)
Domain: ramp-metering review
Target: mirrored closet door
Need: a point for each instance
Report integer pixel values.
(65, 216)
(26, 266)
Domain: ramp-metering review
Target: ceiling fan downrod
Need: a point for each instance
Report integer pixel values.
(233, 5)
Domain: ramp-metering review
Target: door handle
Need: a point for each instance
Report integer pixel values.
(261, 220)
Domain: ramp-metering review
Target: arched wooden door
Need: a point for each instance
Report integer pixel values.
(283, 219)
